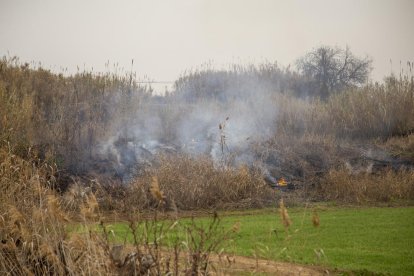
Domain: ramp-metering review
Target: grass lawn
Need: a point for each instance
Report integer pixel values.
(357, 239)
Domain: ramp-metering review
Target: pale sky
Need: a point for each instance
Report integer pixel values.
(167, 37)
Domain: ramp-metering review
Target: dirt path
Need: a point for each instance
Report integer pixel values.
(239, 265)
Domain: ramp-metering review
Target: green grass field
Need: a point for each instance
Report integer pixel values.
(354, 239)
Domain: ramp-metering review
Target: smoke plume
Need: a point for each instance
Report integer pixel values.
(211, 113)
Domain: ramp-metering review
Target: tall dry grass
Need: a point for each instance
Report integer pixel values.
(34, 226)
(342, 186)
(196, 183)
(374, 111)
(62, 117)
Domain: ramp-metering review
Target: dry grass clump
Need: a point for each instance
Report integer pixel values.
(33, 224)
(109, 194)
(284, 215)
(22, 181)
(195, 182)
(342, 186)
(316, 221)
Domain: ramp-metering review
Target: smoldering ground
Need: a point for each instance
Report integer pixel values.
(243, 116)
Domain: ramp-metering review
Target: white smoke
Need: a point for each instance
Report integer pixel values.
(245, 111)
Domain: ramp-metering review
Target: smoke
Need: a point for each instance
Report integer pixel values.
(242, 105)
(212, 113)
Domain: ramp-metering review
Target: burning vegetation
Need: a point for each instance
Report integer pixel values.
(75, 148)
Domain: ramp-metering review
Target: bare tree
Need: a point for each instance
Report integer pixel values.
(333, 69)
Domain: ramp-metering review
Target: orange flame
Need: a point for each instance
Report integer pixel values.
(282, 182)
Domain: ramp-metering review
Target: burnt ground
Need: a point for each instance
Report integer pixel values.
(301, 165)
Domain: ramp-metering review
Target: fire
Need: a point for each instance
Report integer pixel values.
(282, 182)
